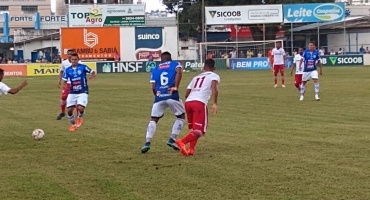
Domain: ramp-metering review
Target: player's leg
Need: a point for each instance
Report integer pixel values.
(282, 69)
(276, 71)
(157, 113)
(315, 78)
(177, 109)
(71, 104)
(298, 81)
(63, 102)
(82, 101)
(199, 126)
(305, 77)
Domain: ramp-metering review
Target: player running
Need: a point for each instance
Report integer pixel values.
(311, 59)
(197, 95)
(278, 58)
(299, 70)
(165, 79)
(78, 92)
(4, 89)
(63, 97)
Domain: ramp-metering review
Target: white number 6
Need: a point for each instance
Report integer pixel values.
(164, 78)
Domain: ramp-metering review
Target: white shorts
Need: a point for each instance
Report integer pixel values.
(77, 99)
(177, 107)
(310, 75)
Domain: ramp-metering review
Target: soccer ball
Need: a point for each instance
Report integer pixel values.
(38, 134)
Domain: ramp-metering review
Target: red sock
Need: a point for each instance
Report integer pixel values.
(62, 106)
(193, 144)
(190, 137)
(275, 79)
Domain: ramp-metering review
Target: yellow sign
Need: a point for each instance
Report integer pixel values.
(50, 69)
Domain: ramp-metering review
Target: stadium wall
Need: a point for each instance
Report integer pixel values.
(44, 69)
(351, 42)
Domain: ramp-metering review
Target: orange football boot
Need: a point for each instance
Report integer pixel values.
(72, 128)
(79, 122)
(182, 147)
(191, 152)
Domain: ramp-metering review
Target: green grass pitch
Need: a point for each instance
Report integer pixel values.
(263, 144)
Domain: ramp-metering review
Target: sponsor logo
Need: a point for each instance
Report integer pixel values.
(149, 66)
(250, 64)
(95, 15)
(333, 60)
(344, 60)
(143, 55)
(328, 12)
(121, 67)
(148, 38)
(14, 69)
(90, 39)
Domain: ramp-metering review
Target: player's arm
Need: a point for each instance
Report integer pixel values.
(178, 76)
(284, 57)
(61, 71)
(301, 61)
(90, 71)
(7, 90)
(152, 81)
(188, 89)
(65, 78)
(214, 95)
(319, 64)
(293, 66)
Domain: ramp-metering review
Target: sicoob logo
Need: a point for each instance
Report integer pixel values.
(148, 41)
(225, 14)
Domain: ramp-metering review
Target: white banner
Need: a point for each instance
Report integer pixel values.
(106, 15)
(256, 14)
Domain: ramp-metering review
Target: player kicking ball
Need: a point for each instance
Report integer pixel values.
(165, 79)
(78, 92)
(311, 59)
(197, 95)
(278, 59)
(299, 70)
(65, 91)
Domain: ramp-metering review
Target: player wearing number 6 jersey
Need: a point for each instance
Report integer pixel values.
(197, 95)
(165, 79)
(78, 92)
(311, 59)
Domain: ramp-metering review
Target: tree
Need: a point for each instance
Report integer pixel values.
(189, 13)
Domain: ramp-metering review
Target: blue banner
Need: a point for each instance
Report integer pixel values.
(6, 25)
(249, 64)
(313, 12)
(37, 21)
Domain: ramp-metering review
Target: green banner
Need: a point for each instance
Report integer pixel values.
(342, 60)
(196, 65)
(124, 21)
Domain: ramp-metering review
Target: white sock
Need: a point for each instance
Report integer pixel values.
(71, 119)
(150, 131)
(176, 128)
(303, 88)
(317, 88)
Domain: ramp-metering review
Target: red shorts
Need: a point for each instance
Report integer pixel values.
(65, 91)
(278, 68)
(298, 79)
(197, 115)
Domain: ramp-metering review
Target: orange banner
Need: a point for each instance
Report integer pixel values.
(95, 43)
(14, 69)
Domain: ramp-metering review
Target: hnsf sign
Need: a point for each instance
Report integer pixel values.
(314, 12)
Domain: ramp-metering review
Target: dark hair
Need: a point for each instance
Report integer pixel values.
(209, 63)
(312, 42)
(166, 56)
(1, 71)
(74, 54)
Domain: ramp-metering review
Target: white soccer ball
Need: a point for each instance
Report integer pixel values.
(38, 134)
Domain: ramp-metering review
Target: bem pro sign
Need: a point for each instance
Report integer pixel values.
(224, 15)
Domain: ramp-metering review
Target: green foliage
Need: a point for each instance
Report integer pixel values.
(190, 18)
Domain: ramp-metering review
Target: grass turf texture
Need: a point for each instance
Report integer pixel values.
(264, 144)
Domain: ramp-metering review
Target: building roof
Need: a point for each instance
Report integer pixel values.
(349, 23)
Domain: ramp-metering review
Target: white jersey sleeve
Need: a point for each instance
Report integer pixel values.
(201, 87)
(4, 89)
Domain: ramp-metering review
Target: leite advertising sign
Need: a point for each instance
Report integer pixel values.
(261, 14)
(313, 12)
(106, 15)
(98, 43)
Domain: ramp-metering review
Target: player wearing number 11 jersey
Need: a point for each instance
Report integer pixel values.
(165, 79)
(197, 95)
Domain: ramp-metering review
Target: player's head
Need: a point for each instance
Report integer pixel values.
(70, 52)
(1, 74)
(209, 65)
(300, 50)
(166, 56)
(311, 46)
(278, 45)
(74, 59)
(150, 58)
